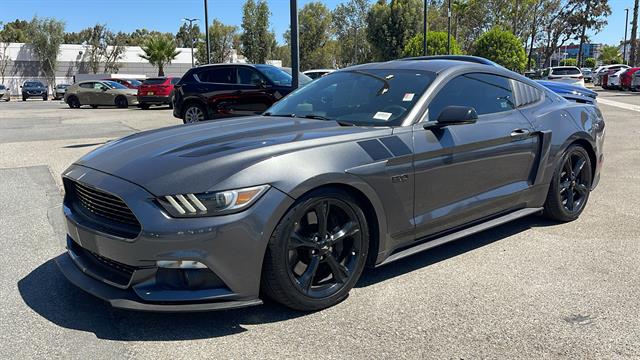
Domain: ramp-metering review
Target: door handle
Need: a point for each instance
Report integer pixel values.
(520, 133)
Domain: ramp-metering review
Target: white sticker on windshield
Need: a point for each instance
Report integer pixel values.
(381, 115)
(408, 97)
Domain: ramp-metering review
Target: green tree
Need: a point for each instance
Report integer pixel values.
(315, 33)
(257, 41)
(104, 47)
(436, 45)
(159, 50)
(610, 55)
(46, 36)
(350, 27)
(221, 37)
(503, 47)
(569, 62)
(589, 62)
(186, 34)
(592, 15)
(15, 31)
(391, 25)
(283, 52)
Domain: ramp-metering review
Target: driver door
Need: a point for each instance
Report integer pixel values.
(468, 172)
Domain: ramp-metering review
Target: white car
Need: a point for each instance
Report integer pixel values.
(564, 74)
(316, 73)
(600, 71)
(613, 80)
(5, 94)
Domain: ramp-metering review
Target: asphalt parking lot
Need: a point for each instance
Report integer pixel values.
(529, 289)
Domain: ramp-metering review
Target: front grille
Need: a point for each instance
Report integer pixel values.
(102, 268)
(108, 212)
(127, 269)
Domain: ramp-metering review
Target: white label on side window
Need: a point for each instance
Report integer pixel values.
(381, 115)
(408, 97)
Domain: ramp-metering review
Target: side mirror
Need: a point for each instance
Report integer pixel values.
(454, 115)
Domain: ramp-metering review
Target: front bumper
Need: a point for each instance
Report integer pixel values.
(232, 247)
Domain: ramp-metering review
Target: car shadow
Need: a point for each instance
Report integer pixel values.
(48, 293)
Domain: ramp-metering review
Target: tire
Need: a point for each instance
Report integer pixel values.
(94, 106)
(73, 102)
(121, 102)
(145, 106)
(194, 113)
(24, 98)
(44, 98)
(570, 186)
(291, 267)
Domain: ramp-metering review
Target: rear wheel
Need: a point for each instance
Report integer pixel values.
(194, 113)
(145, 106)
(317, 252)
(44, 98)
(121, 102)
(94, 106)
(24, 98)
(570, 186)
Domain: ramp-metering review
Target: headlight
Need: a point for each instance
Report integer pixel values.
(211, 203)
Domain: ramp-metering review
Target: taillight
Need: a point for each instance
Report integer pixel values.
(580, 77)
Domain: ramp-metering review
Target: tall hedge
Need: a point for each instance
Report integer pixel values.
(503, 47)
(436, 45)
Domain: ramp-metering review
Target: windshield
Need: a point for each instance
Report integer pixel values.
(33, 84)
(134, 82)
(114, 85)
(280, 76)
(358, 97)
(62, 86)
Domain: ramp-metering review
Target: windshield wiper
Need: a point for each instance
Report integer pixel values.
(280, 115)
(317, 117)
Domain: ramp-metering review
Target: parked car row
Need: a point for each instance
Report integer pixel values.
(619, 77)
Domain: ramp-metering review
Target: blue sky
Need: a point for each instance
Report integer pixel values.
(165, 15)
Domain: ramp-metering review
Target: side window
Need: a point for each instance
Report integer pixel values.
(525, 94)
(174, 81)
(225, 75)
(248, 76)
(98, 86)
(88, 85)
(486, 93)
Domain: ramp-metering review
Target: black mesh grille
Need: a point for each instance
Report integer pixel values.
(127, 269)
(106, 212)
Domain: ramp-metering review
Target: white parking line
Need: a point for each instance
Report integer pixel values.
(619, 104)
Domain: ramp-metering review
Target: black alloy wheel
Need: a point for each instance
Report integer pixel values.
(317, 252)
(121, 102)
(570, 186)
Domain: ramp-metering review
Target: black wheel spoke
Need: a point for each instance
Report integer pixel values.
(569, 204)
(349, 229)
(340, 272)
(578, 166)
(564, 186)
(306, 279)
(582, 189)
(322, 214)
(568, 167)
(298, 241)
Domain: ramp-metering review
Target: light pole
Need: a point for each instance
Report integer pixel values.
(624, 44)
(206, 31)
(449, 29)
(191, 36)
(424, 29)
(295, 49)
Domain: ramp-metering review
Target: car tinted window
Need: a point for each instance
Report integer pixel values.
(248, 76)
(88, 85)
(224, 75)
(174, 81)
(565, 71)
(375, 97)
(276, 75)
(154, 81)
(484, 92)
(115, 85)
(2, 87)
(98, 85)
(33, 84)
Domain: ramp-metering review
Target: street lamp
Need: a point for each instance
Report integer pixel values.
(449, 29)
(295, 48)
(624, 44)
(206, 31)
(190, 21)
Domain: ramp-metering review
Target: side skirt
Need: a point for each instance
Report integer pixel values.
(460, 234)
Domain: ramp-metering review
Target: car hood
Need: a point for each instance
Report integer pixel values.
(194, 158)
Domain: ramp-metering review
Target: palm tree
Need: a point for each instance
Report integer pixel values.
(159, 50)
(610, 55)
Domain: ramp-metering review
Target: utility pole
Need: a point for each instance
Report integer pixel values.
(206, 31)
(624, 44)
(191, 36)
(424, 29)
(449, 29)
(633, 56)
(295, 48)
(534, 27)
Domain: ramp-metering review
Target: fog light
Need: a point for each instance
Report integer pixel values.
(180, 264)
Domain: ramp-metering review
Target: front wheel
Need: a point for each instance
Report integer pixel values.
(570, 186)
(194, 113)
(73, 102)
(317, 252)
(121, 102)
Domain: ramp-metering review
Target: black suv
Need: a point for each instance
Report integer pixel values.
(223, 90)
(34, 89)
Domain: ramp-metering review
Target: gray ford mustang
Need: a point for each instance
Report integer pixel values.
(359, 168)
